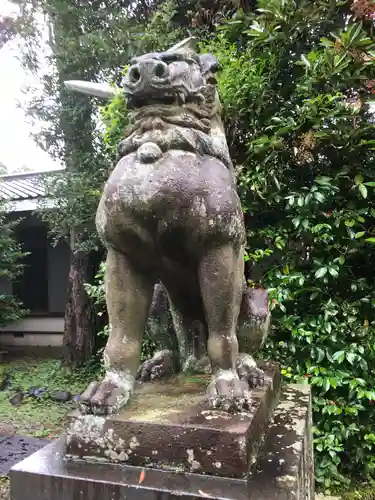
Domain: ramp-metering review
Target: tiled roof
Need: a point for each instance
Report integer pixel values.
(19, 189)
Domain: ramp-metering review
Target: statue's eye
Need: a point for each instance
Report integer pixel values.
(161, 70)
(134, 74)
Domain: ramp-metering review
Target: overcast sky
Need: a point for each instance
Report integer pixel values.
(17, 149)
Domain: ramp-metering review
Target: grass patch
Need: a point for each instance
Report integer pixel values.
(361, 493)
(39, 417)
(4, 488)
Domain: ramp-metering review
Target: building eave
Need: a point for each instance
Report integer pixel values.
(28, 205)
(25, 192)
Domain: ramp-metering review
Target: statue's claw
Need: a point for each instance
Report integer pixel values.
(159, 366)
(103, 398)
(248, 371)
(227, 392)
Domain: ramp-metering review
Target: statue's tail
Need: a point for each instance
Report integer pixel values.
(254, 320)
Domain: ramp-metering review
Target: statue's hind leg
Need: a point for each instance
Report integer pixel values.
(128, 296)
(165, 359)
(221, 281)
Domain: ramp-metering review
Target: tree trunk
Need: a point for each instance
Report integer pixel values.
(78, 332)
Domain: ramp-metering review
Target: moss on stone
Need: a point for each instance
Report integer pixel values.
(155, 401)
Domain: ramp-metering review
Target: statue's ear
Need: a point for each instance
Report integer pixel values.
(209, 63)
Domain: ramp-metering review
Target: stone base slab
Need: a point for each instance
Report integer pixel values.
(168, 425)
(284, 469)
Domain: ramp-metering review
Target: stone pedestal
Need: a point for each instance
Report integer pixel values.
(169, 445)
(168, 426)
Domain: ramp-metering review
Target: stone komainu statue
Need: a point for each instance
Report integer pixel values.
(170, 214)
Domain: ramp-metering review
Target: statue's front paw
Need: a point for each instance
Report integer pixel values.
(159, 366)
(104, 398)
(227, 392)
(248, 371)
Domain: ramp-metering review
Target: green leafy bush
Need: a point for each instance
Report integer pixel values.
(295, 87)
(10, 267)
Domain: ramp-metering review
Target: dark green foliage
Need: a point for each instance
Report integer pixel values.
(10, 267)
(8, 29)
(306, 174)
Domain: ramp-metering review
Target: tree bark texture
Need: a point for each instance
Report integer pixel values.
(78, 330)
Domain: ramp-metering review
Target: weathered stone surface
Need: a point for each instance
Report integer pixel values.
(170, 210)
(61, 396)
(287, 458)
(320, 496)
(284, 470)
(169, 425)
